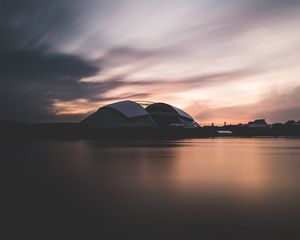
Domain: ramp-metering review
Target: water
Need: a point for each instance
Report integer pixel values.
(224, 188)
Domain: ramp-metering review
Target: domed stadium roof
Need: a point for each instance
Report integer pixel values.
(128, 108)
(168, 115)
(131, 114)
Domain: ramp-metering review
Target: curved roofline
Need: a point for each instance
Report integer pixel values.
(114, 110)
(179, 112)
(127, 108)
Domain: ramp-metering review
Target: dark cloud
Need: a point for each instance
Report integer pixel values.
(31, 80)
(188, 83)
(32, 75)
(215, 78)
(125, 54)
(28, 24)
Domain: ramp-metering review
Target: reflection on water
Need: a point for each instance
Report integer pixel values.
(225, 188)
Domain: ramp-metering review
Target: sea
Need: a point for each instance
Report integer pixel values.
(213, 188)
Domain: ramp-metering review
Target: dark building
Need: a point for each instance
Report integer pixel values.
(132, 114)
(259, 123)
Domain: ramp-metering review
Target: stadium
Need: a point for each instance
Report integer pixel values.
(139, 114)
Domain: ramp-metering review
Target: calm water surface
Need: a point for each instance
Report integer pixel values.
(225, 188)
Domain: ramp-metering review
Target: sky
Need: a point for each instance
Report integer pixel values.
(221, 61)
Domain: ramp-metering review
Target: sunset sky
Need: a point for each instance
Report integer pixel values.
(231, 61)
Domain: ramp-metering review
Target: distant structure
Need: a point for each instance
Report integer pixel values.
(144, 103)
(139, 114)
(259, 123)
(224, 133)
(292, 123)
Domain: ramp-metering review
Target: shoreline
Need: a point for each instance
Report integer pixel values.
(76, 131)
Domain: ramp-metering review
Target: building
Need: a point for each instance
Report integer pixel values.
(132, 114)
(259, 123)
(292, 123)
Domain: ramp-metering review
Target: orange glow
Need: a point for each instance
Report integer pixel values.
(216, 72)
(76, 107)
(241, 167)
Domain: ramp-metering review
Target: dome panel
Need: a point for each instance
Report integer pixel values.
(160, 108)
(105, 118)
(168, 115)
(128, 108)
(183, 113)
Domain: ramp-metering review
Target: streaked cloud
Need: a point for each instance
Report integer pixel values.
(219, 60)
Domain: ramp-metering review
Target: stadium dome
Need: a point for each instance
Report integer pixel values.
(168, 115)
(132, 114)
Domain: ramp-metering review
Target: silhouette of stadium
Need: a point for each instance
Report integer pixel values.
(139, 114)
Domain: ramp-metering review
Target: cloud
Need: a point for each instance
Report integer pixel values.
(32, 74)
(274, 107)
(124, 88)
(70, 53)
(30, 80)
